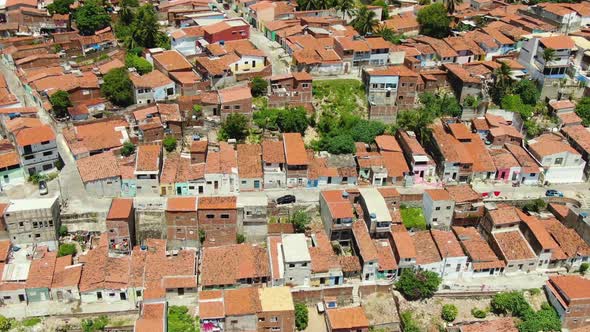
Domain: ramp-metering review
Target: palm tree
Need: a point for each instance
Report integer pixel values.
(451, 4)
(502, 82)
(306, 4)
(365, 21)
(388, 34)
(346, 7)
(548, 55)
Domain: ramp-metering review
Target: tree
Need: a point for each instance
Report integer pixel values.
(384, 8)
(365, 21)
(339, 144)
(258, 86)
(130, 3)
(92, 17)
(127, 149)
(583, 110)
(60, 7)
(408, 322)
(346, 7)
(169, 143)
(434, 21)
(63, 230)
(367, 130)
(548, 54)
(5, 324)
(66, 249)
(95, 325)
(513, 103)
(60, 101)
(449, 312)
(235, 126)
(502, 83)
(126, 15)
(140, 64)
(300, 219)
(179, 320)
(512, 303)
(390, 35)
(528, 91)
(292, 120)
(584, 267)
(145, 28)
(546, 319)
(416, 285)
(451, 4)
(117, 87)
(536, 205)
(301, 316)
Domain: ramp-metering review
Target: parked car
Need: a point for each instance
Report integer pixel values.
(553, 193)
(43, 188)
(287, 199)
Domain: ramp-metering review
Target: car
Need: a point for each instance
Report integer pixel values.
(320, 307)
(553, 193)
(287, 199)
(43, 188)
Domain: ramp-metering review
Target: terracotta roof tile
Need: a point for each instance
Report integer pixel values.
(29, 136)
(153, 79)
(98, 167)
(403, 242)
(558, 42)
(462, 193)
(426, 249)
(338, 206)
(363, 241)
(295, 153)
(351, 318)
(226, 265)
(550, 144)
(121, 208)
(447, 243)
(438, 194)
(172, 61)
(477, 249)
(242, 301)
(182, 204)
(273, 152)
(66, 274)
(41, 270)
(217, 203)
(572, 287)
(513, 246)
(148, 158)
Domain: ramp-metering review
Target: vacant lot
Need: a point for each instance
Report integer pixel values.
(413, 218)
(343, 96)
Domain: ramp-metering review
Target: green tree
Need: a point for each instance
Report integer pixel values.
(5, 324)
(258, 86)
(63, 230)
(339, 144)
(408, 322)
(145, 28)
(512, 303)
(434, 21)
(449, 312)
(127, 149)
(452, 4)
(235, 126)
(384, 8)
(367, 130)
(390, 35)
(95, 325)
(169, 143)
(292, 120)
(536, 205)
(140, 64)
(60, 7)
(300, 219)
(92, 17)
(417, 285)
(117, 87)
(548, 54)
(346, 7)
(546, 319)
(126, 15)
(583, 110)
(584, 267)
(528, 91)
(502, 83)
(179, 320)
(514, 103)
(130, 3)
(60, 101)
(66, 249)
(365, 21)
(301, 316)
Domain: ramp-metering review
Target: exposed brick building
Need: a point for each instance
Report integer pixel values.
(218, 218)
(181, 222)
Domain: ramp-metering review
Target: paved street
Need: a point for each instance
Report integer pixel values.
(578, 191)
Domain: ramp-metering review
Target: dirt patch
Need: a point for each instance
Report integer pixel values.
(380, 309)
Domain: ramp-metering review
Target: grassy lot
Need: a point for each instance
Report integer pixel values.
(413, 218)
(343, 95)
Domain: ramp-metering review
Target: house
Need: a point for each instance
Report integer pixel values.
(561, 162)
(403, 247)
(295, 159)
(198, 151)
(96, 136)
(218, 220)
(100, 174)
(326, 269)
(365, 249)
(250, 167)
(33, 221)
(467, 50)
(482, 259)
(148, 164)
(500, 226)
(253, 215)
(263, 12)
(277, 310)
(574, 247)
(357, 51)
(389, 90)
(290, 90)
(421, 164)
(169, 62)
(467, 80)
(469, 207)
(38, 283)
(221, 171)
(185, 40)
(66, 277)
(570, 297)
(561, 106)
(545, 247)
(579, 138)
(227, 30)
(11, 172)
(530, 170)
(153, 316)
(152, 87)
(454, 261)
(508, 168)
(337, 215)
(120, 224)
(168, 117)
(428, 257)
(234, 265)
(273, 159)
(296, 260)
(37, 148)
(188, 83)
(314, 55)
(80, 87)
(375, 212)
(347, 319)
(564, 17)
(181, 222)
(438, 207)
(235, 100)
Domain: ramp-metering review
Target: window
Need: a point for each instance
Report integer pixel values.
(236, 107)
(434, 219)
(448, 207)
(274, 319)
(170, 91)
(85, 92)
(291, 265)
(305, 85)
(210, 216)
(437, 208)
(37, 236)
(29, 157)
(253, 63)
(558, 161)
(47, 153)
(225, 216)
(138, 293)
(45, 143)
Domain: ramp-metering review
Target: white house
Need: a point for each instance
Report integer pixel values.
(100, 174)
(187, 40)
(297, 260)
(37, 149)
(561, 162)
(375, 211)
(273, 161)
(148, 163)
(454, 261)
(438, 208)
(221, 172)
(152, 87)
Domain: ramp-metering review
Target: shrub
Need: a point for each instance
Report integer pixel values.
(300, 219)
(535, 206)
(301, 316)
(478, 313)
(63, 230)
(117, 87)
(235, 126)
(31, 321)
(545, 319)
(169, 143)
(416, 285)
(179, 320)
(66, 249)
(408, 322)
(240, 238)
(258, 86)
(584, 267)
(141, 65)
(5, 323)
(202, 236)
(512, 303)
(449, 312)
(60, 101)
(95, 325)
(127, 149)
(535, 291)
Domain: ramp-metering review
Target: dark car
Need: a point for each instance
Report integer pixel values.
(287, 199)
(43, 188)
(553, 193)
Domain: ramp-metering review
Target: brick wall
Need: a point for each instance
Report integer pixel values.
(312, 296)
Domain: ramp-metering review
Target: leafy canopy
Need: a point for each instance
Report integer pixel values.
(92, 17)
(583, 110)
(300, 219)
(140, 64)
(301, 316)
(60, 7)
(179, 320)
(60, 101)
(417, 285)
(258, 86)
(117, 87)
(127, 149)
(169, 143)
(66, 249)
(449, 312)
(235, 126)
(434, 21)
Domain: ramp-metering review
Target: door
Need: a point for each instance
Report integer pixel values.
(181, 291)
(178, 191)
(123, 296)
